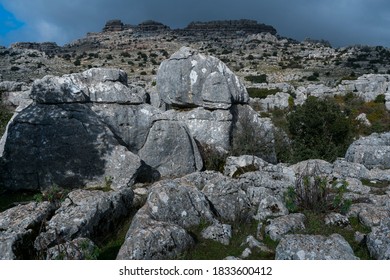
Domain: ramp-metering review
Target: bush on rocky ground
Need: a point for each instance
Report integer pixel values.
(319, 129)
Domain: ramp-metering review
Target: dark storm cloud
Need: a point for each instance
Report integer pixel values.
(343, 22)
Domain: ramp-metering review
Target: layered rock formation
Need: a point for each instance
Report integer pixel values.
(50, 48)
(113, 26)
(211, 100)
(244, 25)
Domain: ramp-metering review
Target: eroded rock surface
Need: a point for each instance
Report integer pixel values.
(19, 226)
(190, 79)
(85, 213)
(314, 247)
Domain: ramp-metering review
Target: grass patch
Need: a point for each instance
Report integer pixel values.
(377, 187)
(109, 248)
(212, 250)
(315, 225)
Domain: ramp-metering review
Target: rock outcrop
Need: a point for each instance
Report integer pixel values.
(113, 26)
(244, 25)
(85, 214)
(372, 151)
(314, 247)
(50, 48)
(19, 226)
(211, 100)
(189, 79)
(104, 123)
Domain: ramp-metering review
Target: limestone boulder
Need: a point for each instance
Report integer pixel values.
(149, 239)
(87, 214)
(170, 149)
(280, 226)
(211, 128)
(99, 85)
(159, 229)
(314, 247)
(372, 151)
(173, 202)
(15, 95)
(190, 79)
(129, 123)
(367, 86)
(221, 233)
(65, 145)
(19, 226)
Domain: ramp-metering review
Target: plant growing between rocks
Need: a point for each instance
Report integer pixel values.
(313, 192)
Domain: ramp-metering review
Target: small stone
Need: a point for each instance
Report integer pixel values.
(280, 226)
(246, 253)
(359, 237)
(336, 219)
(221, 233)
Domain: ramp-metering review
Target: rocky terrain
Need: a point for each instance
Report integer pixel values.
(144, 142)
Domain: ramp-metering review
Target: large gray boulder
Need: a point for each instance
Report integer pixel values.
(85, 213)
(211, 128)
(99, 85)
(229, 200)
(170, 149)
(65, 145)
(176, 203)
(159, 229)
(190, 79)
(371, 151)
(129, 123)
(19, 226)
(148, 239)
(314, 247)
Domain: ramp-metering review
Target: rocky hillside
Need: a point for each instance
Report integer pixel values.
(242, 144)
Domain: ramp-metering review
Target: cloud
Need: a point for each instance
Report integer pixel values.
(342, 22)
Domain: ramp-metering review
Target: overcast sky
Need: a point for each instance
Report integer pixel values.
(342, 22)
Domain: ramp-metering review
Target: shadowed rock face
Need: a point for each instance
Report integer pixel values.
(60, 140)
(66, 145)
(84, 128)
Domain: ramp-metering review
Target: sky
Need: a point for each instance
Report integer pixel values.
(341, 22)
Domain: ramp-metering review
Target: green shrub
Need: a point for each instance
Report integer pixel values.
(312, 192)
(261, 92)
(257, 79)
(319, 129)
(381, 98)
